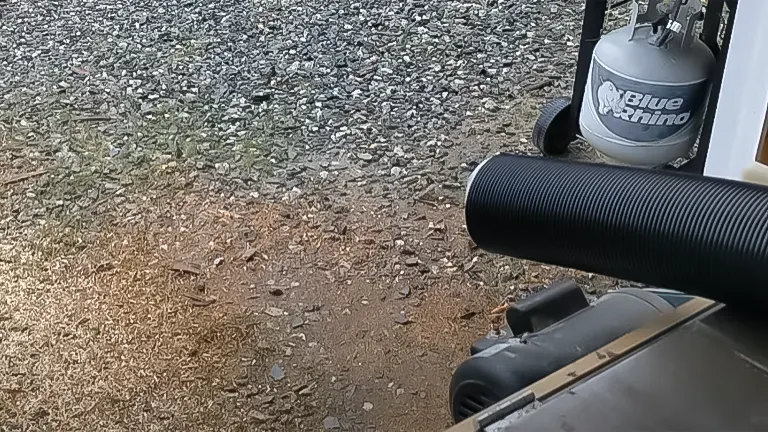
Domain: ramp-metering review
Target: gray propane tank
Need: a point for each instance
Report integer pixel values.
(643, 104)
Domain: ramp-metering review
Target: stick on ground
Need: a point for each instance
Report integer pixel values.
(22, 177)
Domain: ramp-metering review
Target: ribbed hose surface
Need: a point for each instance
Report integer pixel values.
(701, 235)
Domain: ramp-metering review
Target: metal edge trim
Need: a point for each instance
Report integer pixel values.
(621, 347)
(609, 353)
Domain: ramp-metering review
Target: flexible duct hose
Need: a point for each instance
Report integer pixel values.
(702, 235)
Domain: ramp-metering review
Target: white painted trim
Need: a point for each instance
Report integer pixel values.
(741, 111)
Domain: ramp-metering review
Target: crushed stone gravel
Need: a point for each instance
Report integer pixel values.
(271, 96)
(106, 106)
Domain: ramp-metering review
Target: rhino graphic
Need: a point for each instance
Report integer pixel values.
(609, 99)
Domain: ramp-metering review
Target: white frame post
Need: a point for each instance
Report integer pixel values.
(741, 113)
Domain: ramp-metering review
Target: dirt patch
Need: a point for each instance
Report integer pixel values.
(200, 314)
(113, 341)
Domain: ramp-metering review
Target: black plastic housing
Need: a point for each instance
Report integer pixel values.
(511, 364)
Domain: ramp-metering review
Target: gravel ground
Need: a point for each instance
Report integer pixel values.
(328, 139)
(271, 97)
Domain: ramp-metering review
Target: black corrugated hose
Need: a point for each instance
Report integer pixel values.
(701, 235)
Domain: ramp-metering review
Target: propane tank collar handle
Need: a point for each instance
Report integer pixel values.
(673, 15)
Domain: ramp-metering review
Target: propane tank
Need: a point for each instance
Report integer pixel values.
(647, 87)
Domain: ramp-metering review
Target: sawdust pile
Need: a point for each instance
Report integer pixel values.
(113, 339)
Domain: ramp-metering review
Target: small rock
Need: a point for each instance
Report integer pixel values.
(367, 406)
(405, 291)
(277, 292)
(491, 106)
(249, 254)
(469, 265)
(259, 417)
(218, 261)
(297, 322)
(277, 373)
(221, 167)
(261, 97)
(266, 400)
(274, 312)
(440, 226)
(412, 262)
(367, 157)
(331, 423)
(402, 319)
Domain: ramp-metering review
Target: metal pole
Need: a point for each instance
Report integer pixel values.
(591, 30)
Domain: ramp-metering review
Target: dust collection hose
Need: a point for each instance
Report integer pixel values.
(701, 235)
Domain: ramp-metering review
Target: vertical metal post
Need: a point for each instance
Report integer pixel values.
(696, 165)
(711, 28)
(591, 30)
